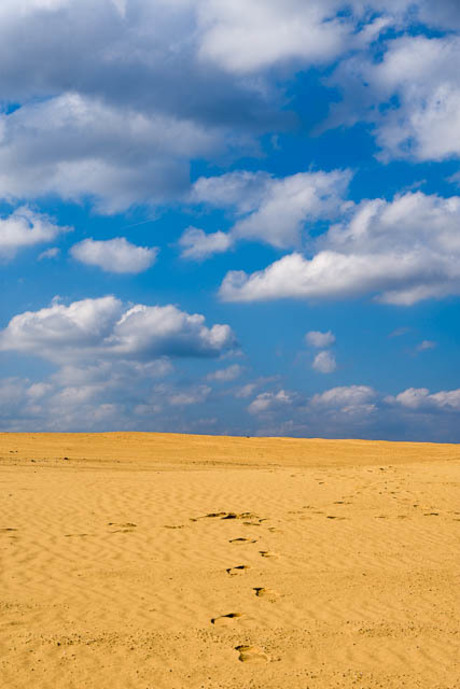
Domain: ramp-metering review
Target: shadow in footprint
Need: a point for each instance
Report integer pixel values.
(226, 619)
(268, 553)
(231, 515)
(125, 527)
(242, 541)
(238, 569)
(268, 594)
(251, 654)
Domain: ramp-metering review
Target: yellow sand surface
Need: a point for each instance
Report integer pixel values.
(158, 561)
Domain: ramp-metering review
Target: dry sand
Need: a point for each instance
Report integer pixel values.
(163, 561)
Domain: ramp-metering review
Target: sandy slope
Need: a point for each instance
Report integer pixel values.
(155, 561)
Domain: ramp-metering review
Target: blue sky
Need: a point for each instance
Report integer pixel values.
(231, 217)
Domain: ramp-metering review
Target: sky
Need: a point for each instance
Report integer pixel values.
(231, 217)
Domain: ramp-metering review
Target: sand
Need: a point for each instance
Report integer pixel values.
(164, 561)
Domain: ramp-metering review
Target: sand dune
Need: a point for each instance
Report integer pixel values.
(163, 561)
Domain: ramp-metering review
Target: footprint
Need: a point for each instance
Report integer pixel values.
(240, 541)
(75, 535)
(268, 553)
(226, 619)
(8, 528)
(269, 594)
(238, 569)
(251, 654)
(125, 525)
(232, 515)
(431, 514)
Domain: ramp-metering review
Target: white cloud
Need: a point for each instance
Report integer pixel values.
(245, 390)
(245, 38)
(399, 332)
(156, 85)
(225, 375)
(369, 254)
(270, 401)
(328, 274)
(131, 395)
(110, 357)
(111, 373)
(24, 228)
(352, 398)
(324, 362)
(426, 345)
(197, 245)
(115, 255)
(427, 124)
(80, 147)
(420, 74)
(196, 395)
(420, 398)
(316, 338)
(116, 114)
(106, 328)
(274, 210)
(52, 252)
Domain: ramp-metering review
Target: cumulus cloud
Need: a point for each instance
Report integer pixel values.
(106, 327)
(195, 395)
(421, 398)
(417, 88)
(422, 73)
(369, 254)
(270, 401)
(226, 375)
(324, 362)
(273, 210)
(134, 395)
(80, 147)
(316, 338)
(245, 390)
(197, 245)
(24, 228)
(348, 411)
(114, 255)
(245, 38)
(352, 398)
(116, 111)
(111, 360)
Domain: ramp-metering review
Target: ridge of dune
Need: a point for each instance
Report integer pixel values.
(188, 449)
